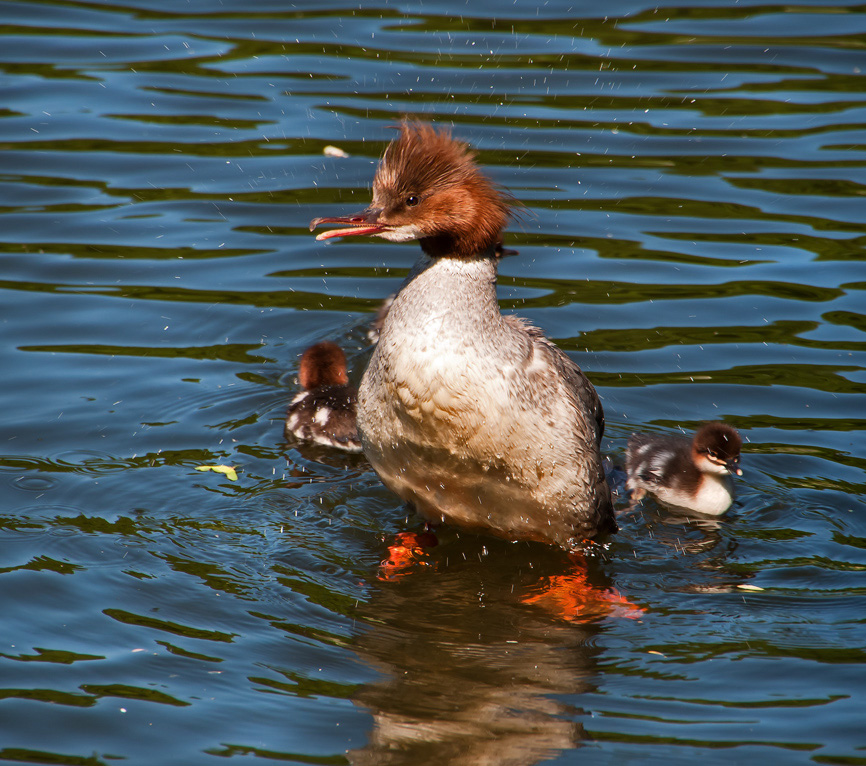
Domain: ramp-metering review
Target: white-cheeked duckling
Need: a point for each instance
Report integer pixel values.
(474, 418)
(693, 474)
(324, 412)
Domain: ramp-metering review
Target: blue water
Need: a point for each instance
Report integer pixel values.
(694, 238)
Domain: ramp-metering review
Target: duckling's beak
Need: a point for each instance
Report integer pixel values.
(365, 222)
(733, 466)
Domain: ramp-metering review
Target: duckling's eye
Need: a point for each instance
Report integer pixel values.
(712, 454)
(412, 200)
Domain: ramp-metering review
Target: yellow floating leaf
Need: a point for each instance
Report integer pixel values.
(230, 473)
(745, 586)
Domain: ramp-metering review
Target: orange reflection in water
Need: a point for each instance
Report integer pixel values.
(573, 597)
(568, 596)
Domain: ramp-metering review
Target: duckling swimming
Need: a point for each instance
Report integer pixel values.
(694, 474)
(324, 412)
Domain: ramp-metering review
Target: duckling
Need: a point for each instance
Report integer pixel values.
(693, 474)
(324, 412)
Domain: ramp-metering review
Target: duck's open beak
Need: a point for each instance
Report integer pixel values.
(734, 466)
(365, 222)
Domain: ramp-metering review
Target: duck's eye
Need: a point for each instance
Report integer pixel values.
(712, 454)
(412, 200)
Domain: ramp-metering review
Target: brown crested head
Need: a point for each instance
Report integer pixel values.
(323, 364)
(720, 444)
(432, 181)
(428, 187)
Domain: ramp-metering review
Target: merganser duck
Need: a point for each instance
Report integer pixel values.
(693, 474)
(474, 418)
(324, 412)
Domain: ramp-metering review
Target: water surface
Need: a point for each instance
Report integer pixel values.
(693, 239)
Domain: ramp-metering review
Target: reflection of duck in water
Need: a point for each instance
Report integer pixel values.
(324, 412)
(693, 474)
(471, 675)
(474, 418)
